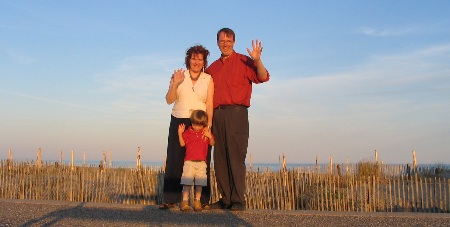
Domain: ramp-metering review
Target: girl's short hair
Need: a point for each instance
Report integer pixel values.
(199, 117)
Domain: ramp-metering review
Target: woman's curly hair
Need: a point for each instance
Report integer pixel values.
(198, 49)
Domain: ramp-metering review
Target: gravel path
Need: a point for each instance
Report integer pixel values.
(56, 213)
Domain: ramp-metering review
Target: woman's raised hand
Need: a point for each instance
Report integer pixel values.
(178, 76)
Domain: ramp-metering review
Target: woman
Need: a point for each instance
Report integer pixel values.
(189, 89)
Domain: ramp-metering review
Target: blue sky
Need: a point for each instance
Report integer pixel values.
(347, 77)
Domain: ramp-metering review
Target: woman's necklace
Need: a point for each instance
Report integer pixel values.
(192, 78)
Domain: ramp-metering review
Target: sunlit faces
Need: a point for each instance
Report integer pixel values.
(226, 44)
(196, 63)
(198, 128)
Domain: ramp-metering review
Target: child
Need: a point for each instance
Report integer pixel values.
(196, 139)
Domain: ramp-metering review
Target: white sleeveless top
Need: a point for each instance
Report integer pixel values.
(191, 97)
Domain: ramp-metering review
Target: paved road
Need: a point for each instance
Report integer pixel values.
(55, 213)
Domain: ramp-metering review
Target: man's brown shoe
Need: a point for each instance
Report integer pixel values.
(219, 205)
(237, 207)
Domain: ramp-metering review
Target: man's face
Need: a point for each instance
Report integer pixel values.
(226, 44)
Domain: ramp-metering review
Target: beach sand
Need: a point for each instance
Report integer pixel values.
(59, 213)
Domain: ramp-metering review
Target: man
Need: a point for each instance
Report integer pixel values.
(233, 75)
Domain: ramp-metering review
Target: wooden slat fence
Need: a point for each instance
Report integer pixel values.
(391, 189)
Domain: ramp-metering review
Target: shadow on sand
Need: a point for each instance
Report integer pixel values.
(84, 214)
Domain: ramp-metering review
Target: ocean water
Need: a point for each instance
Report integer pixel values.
(132, 164)
(254, 166)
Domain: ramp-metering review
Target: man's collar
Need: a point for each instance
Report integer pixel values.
(231, 55)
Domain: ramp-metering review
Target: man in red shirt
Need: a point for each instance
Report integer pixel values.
(233, 75)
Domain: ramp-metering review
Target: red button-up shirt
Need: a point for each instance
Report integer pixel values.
(233, 78)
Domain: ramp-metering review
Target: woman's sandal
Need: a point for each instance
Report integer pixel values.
(166, 206)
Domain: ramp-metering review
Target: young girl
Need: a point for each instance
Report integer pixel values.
(196, 139)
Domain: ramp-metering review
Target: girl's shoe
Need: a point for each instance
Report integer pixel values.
(206, 206)
(197, 205)
(184, 206)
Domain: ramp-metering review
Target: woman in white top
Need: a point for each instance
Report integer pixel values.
(189, 90)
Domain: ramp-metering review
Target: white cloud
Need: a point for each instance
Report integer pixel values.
(52, 100)
(20, 58)
(387, 32)
(138, 84)
(390, 102)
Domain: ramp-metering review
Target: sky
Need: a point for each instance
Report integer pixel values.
(347, 78)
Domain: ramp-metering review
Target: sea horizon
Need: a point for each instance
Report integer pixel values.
(272, 166)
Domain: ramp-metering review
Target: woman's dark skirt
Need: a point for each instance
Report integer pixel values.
(174, 165)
